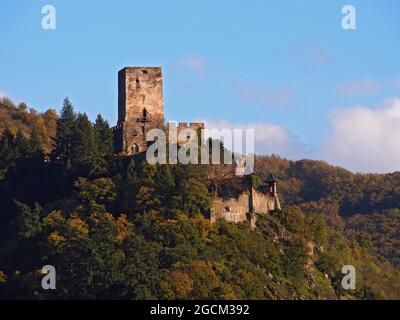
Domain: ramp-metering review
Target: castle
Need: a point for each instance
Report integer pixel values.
(141, 108)
(248, 205)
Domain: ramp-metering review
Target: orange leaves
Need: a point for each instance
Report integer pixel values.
(78, 225)
(125, 228)
(56, 239)
(54, 218)
(181, 283)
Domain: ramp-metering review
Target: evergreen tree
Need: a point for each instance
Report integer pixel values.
(29, 223)
(85, 157)
(21, 145)
(165, 183)
(63, 141)
(34, 146)
(83, 140)
(7, 152)
(104, 136)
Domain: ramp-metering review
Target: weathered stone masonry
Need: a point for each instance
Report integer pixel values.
(248, 205)
(141, 108)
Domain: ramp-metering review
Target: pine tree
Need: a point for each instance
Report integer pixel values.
(104, 136)
(29, 223)
(7, 150)
(63, 141)
(21, 145)
(84, 148)
(165, 183)
(34, 146)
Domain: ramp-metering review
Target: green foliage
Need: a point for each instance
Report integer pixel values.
(313, 181)
(100, 193)
(119, 228)
(80, 145)
(379, 233)
(29, 121)
(64, 139)
(255, 181)
(29, 224)
(104, 136)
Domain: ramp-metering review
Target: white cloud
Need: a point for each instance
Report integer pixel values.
(195, 65)
(183, 75)
(359, 138)
(396, 83)
(2, 94)
(361, 87)
(365, 139)
(268, 138)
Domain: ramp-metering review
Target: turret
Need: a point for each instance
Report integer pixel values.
(271, 184)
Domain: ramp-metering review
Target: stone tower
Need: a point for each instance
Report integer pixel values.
(140, 107)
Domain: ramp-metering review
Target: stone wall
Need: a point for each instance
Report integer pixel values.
(185, 130)
(141, 88)
(244, 208)
(232, 209)
(264, 203)
(140, 107)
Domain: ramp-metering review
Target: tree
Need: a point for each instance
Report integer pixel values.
(7, 152)
(29, 223)
(63, 141)
(104, 136)
(35, 148)
(83, 146)
(165, 184)
(99, 193)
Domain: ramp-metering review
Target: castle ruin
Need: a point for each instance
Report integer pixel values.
(248, 205)
(141, 108)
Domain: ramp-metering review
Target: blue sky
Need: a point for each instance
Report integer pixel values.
(286, 66)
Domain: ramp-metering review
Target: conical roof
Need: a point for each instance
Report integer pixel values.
(270, 178)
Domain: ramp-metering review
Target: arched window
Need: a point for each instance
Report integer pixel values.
(135, 148)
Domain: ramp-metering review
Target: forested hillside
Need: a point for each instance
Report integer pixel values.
(118, 228)
(28, 121)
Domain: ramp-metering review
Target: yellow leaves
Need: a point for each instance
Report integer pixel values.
(204, 277)
(63, 230)
(181, 283)
(54, 218)
(78, 225)
(72, 230)
(56, 239)
(125, 228)
(201, 223)
(101, 190)
(182, 217)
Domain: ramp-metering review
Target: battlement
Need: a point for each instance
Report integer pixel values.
(141, 108)
(185, 125)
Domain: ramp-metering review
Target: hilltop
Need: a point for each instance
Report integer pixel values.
(119, 228)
